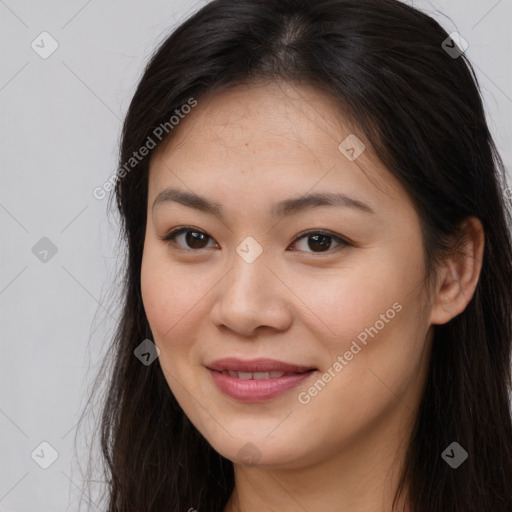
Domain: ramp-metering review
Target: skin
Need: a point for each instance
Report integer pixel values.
(247, 148)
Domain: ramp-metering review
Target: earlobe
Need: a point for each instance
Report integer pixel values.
(458, 277)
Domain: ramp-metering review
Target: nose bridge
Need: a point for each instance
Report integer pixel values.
(249, 278)
(250, 264)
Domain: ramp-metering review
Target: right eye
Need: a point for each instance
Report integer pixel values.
(193, 238)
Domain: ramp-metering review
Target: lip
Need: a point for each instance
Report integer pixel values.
(257, 390)
(256, 365)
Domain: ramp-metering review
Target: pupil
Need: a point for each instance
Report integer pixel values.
(192, 240)
(323, 244)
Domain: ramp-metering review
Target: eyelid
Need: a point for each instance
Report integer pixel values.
(343, 241)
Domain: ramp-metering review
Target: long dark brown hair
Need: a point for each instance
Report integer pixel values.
(418, 104)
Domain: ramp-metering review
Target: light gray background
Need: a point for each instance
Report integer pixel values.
(59, 126)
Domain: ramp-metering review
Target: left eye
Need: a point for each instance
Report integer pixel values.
(321, 240)
(317, 241)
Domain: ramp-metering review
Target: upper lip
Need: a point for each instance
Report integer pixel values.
(256, 365)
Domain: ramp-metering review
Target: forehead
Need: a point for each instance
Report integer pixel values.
(274, 137)
(276, 113)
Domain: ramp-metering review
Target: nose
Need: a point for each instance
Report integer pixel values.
(252, 297)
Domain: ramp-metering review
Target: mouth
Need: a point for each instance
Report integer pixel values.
(257, 380)
(259, 375)
(257, 368)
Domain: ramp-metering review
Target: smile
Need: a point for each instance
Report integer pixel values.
(257, 375)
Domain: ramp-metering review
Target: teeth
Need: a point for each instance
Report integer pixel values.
(256, 375)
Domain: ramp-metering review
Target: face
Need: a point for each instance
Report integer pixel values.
(335, 289)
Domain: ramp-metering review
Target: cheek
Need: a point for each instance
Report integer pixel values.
(168, 292)
(372, 331)
(175, 299)
(361, 298)
(172, 308)
(369, 319)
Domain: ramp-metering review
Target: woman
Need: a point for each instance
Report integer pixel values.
(318, 298)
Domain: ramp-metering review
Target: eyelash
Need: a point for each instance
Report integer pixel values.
(169, 238)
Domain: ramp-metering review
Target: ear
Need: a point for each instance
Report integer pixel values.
(458, 276)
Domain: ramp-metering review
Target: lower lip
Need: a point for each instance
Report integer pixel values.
(257, 390)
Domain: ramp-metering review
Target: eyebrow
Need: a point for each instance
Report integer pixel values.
(282, 208)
